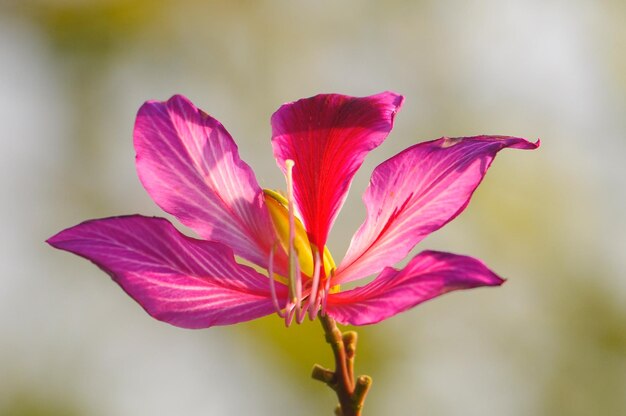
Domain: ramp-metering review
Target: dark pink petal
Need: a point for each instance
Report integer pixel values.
(415, 193)
(190, 166)
(328, 136)
(177, 279)
(428, 275)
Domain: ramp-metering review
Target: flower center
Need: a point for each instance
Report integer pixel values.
(278, 208)
(305, 260)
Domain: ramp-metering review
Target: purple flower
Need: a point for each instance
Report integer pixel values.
(190, 166)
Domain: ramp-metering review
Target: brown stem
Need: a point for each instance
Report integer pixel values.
(351, 393)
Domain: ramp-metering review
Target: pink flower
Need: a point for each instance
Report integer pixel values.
(190, 166)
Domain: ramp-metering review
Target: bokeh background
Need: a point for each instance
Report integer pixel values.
(551, 341)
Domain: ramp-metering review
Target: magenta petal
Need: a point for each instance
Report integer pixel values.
(415, 193)
(328, 136)
(428, 275)
(190, 166)
(177, 279)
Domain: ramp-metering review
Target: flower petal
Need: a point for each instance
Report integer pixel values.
(177, 279)
(415, 193)
(190, 166)
(328, 136)
(428, 275)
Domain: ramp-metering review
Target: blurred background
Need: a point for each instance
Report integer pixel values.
(551, 341)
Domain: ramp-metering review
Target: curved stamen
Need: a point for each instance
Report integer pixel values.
(293, 258)
(270, 271)
(301, 316)
(295, 280)
(304, 296)
(299, 312)
(289, 312)
(313, 296)
(326, 290)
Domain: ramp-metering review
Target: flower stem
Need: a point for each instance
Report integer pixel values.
(350, 392)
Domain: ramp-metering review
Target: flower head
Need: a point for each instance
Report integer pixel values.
(190, 166)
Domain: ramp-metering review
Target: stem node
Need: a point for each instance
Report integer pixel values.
(350, 392)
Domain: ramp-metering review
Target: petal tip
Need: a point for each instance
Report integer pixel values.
(52, 240)
(525, 144)
(395, 99)
(58, 239)
(496, 281)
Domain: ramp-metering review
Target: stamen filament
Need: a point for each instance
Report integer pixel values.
(326, 290)
(301, 315)
(289, 311)
(270, 271)
(314, 285)
(295, 280)
(298, 301)
(293, 258)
